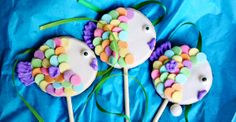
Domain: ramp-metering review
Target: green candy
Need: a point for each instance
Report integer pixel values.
(164, 76)
(49, 53)
(97, 41)
(113, 46)
(38, 78)
(121, 62)
(63, 58)
(114, 14)
(36, 63)
(185, 71)
(66, 84)
(177, 50)
(124, 26)
(193, 59)
(112, 60)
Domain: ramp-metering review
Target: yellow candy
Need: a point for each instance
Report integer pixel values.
(157, 81)
(157, 65)
(63, 67)
(115, 35)
(44, 48)
(43, 84)
(69, 92)
(123, 52)
(115, 22)
(46, 63)
(176, 96)
(64, 42)
(100, 24)
(171, 76)
(98, 49)
(193, 51)
(177, 58)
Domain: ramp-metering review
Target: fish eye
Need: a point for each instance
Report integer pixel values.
(146, 28)
(85, 53)
(203, 78)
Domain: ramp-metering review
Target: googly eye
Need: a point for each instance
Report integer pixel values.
(146, 28)
(203, 78)
(85, 53)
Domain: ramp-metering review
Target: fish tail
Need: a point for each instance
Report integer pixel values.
(24, 73)
(159, 51)
(88, 35)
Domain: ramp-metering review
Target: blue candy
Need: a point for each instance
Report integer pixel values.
(50, 43)
(54, 61)
(57, 85)
(105, 35)
(201, 57)
(160, 88)
(169, 53)
(78, 88)
(123, 35)
(163, 69)
(107, 18)
(181, 78)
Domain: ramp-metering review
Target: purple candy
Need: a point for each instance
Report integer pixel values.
(130, 14)
(68, 74)
(93, 64)
(152, 43)
(24, 73)
(201, 94)
(50, 89)
(54, 71)
(187, 63)
(169, 83)
(171, 66)
(108, 51)
(39, 54)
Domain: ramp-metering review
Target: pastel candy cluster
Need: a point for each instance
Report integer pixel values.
(171, 70)
(51, 71)
(110, 34)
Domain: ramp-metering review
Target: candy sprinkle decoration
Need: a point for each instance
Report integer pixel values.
(53, 70)
(172, 67)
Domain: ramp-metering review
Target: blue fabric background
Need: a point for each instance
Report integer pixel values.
(19, 30)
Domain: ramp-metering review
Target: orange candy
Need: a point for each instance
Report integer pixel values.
(180, 65)
(129, 59)
(105, 43)
(121, 11)
(59, 78)
(59, 50)
(123, 44)
(49, 79)
(104, 57)
(177, 87)
(163, 58)
(108, 27)
(168, 92)
(185, 56)
(36, 71)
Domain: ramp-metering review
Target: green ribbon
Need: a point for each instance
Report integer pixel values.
(32, 110)
(187, 109)
(158, 20)
(64, 21)
(199, 43)
(89, 5)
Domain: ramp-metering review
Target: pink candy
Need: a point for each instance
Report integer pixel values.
(116, 29)
(155, 74)
(58, 42)
(98, 32)
(123, 19)
(59, 92)
(187, 63)
(130, 14)
(75, 80)
(185, 48)
(50, 89)
(39, 54)
(44, 71)
(68, 74)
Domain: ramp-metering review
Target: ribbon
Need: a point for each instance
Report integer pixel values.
(187, 109)
(199, 43)
(159, 19)
(89, 5)
(32, 110)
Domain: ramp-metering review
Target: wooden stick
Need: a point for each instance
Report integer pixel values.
(69, 107)
(160, 111)
(126, 92)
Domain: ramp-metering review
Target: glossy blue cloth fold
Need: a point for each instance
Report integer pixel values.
(19, 30)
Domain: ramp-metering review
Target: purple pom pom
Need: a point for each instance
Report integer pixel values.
(24, 72)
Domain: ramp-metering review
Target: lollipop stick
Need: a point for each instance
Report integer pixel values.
(69, 107)
(126, 91)
(160, 111)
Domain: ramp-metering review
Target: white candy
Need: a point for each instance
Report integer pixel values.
(176, 110)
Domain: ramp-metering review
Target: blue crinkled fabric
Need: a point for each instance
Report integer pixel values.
(19, 30)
